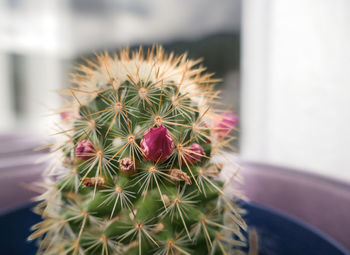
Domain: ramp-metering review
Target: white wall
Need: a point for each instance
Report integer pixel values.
(296, 84)
(43, 76)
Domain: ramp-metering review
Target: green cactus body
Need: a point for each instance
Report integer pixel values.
(137, 175)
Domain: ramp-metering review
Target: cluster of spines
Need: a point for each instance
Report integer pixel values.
(137, 175)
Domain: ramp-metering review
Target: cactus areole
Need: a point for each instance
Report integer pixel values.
(136, 173)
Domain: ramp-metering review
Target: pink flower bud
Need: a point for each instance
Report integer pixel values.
(85, 150)
(224, 123)
(193, 153)
(69, 115)
(157, 144)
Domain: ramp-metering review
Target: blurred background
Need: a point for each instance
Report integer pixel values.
(285, 67)
(41, 41)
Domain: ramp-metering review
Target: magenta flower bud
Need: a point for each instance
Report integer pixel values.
(157, 144)
(193, 153)
(224, 123)
(85, 150)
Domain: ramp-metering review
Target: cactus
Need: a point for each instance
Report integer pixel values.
(135, 172)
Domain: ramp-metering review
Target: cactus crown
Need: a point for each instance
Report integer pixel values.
(135, 173)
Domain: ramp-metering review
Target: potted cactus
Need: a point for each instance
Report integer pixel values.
(135, 172)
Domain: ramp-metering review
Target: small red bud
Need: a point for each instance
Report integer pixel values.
(224, 124)
(127, 166)
(85, 150)
(69, 115)
(193, 153)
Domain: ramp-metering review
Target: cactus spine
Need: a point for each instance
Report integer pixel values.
(135, 172)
